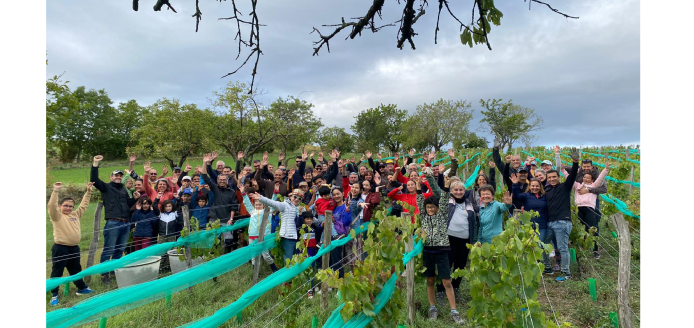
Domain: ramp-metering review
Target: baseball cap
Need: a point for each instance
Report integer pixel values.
(303, 183)
(546, 162)
(187, 191)
(522, 169)
(390, 161)
(117, 172)
(177, 168)
(533, 162)
(187, 177)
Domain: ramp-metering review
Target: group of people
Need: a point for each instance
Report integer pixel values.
(150, 207)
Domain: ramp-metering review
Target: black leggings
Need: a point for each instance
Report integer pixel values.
(589, 218)
(457, 258)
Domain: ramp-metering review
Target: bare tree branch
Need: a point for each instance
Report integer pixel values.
(197, 15)
(554, 10)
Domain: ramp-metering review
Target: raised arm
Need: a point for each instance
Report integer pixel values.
(94, 174)
(492, 174)
(454, 164)
(497, 157)
(574, 170)
(601, 178)
(433, 186)
(53, 211)
(85, 201)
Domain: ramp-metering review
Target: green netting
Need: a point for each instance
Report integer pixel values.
(202, 239)
(634, 161)
(635, 184)
(469, 159)
(471, 180)
(620, 205)
(123, 299)
(272, 281)
(361, 320)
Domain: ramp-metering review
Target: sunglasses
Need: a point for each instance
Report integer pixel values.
(295, 197)
(153, 174)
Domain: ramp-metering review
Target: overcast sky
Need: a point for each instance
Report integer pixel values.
(581, 76)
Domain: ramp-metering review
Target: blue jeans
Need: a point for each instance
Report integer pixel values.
(116, 235)
(289, 247)
(561, 230)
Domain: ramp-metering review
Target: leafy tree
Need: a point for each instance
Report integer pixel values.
(129, 119)
(297, 124)
(85, 122)
(59, 100)
(380, 127)
(336, 138)
(440, 122)
(172, 130)
(508, 122)
(244, 125)
(472, 140)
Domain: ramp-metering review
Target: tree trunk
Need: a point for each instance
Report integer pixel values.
(180, 162)
(79, 154)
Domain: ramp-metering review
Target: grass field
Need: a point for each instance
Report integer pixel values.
(570, 300)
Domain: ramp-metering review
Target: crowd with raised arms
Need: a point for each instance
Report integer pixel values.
(148, 207)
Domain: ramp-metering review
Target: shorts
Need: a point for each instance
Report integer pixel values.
(438, 261)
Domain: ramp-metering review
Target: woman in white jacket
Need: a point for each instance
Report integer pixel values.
(290, 212)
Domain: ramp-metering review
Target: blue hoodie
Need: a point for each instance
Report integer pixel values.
(200, 213)
(144, 220)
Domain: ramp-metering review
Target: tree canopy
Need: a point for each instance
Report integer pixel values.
(439, 123)
(507, 121)
(380, 127)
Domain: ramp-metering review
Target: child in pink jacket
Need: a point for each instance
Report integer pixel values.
(585, 201)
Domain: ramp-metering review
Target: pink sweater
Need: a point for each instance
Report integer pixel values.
(588, 199)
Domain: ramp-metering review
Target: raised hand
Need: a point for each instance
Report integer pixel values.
(492, 164)
(239, 155)
(312, 153)
(304, 155)
(147, 166)
(291, 173)
(280, 157)
(336, 154)
(574, 154)
(57, 186)
(242, 188)
(159, 194)
(136, 194)
(362, 158)
(507, 198)
(446, 181)
(607, 165)
(187, 168)
(380, 158)
(320, 156)
(377, 178)
(368, 154)
(432, 155)
(451, 153)
(127, 172)
(497, 143)
(442, 168)
(393, 178)
(396, 157)
(206, 159)
(254, 196)
(214, 155)
(97, 159)
(508, 158)
(165, 170)
(265, 160)
(198, 169)
(133, 157)
(514, 178)
(411, 153)
(556, 149)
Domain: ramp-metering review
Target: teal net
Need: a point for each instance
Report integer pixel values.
(471, 180)
(361, 320)
(620, 205)
(123, 299)
(202, 239)
(272, 281)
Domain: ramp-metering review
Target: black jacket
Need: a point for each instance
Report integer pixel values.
(117, 203)
(559, 198)
(225, 201)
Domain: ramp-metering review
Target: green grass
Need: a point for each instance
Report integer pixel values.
(570, 300)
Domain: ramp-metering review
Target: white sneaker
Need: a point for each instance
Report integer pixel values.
(551, 254)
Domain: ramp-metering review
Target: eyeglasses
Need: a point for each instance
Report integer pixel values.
(153, 174)
(295, 197)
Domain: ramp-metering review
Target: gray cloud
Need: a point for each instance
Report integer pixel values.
(581, 76)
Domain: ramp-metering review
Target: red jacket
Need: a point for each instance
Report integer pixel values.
(323, 205)
(152, 194)
(410, 199)
(373, 199)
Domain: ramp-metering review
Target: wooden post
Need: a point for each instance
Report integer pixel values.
(625, 316)
(631, 178)
(627, 152)
(409, 275)
(186, 225)
(327, 236)
(95, 238)
(261, 236)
